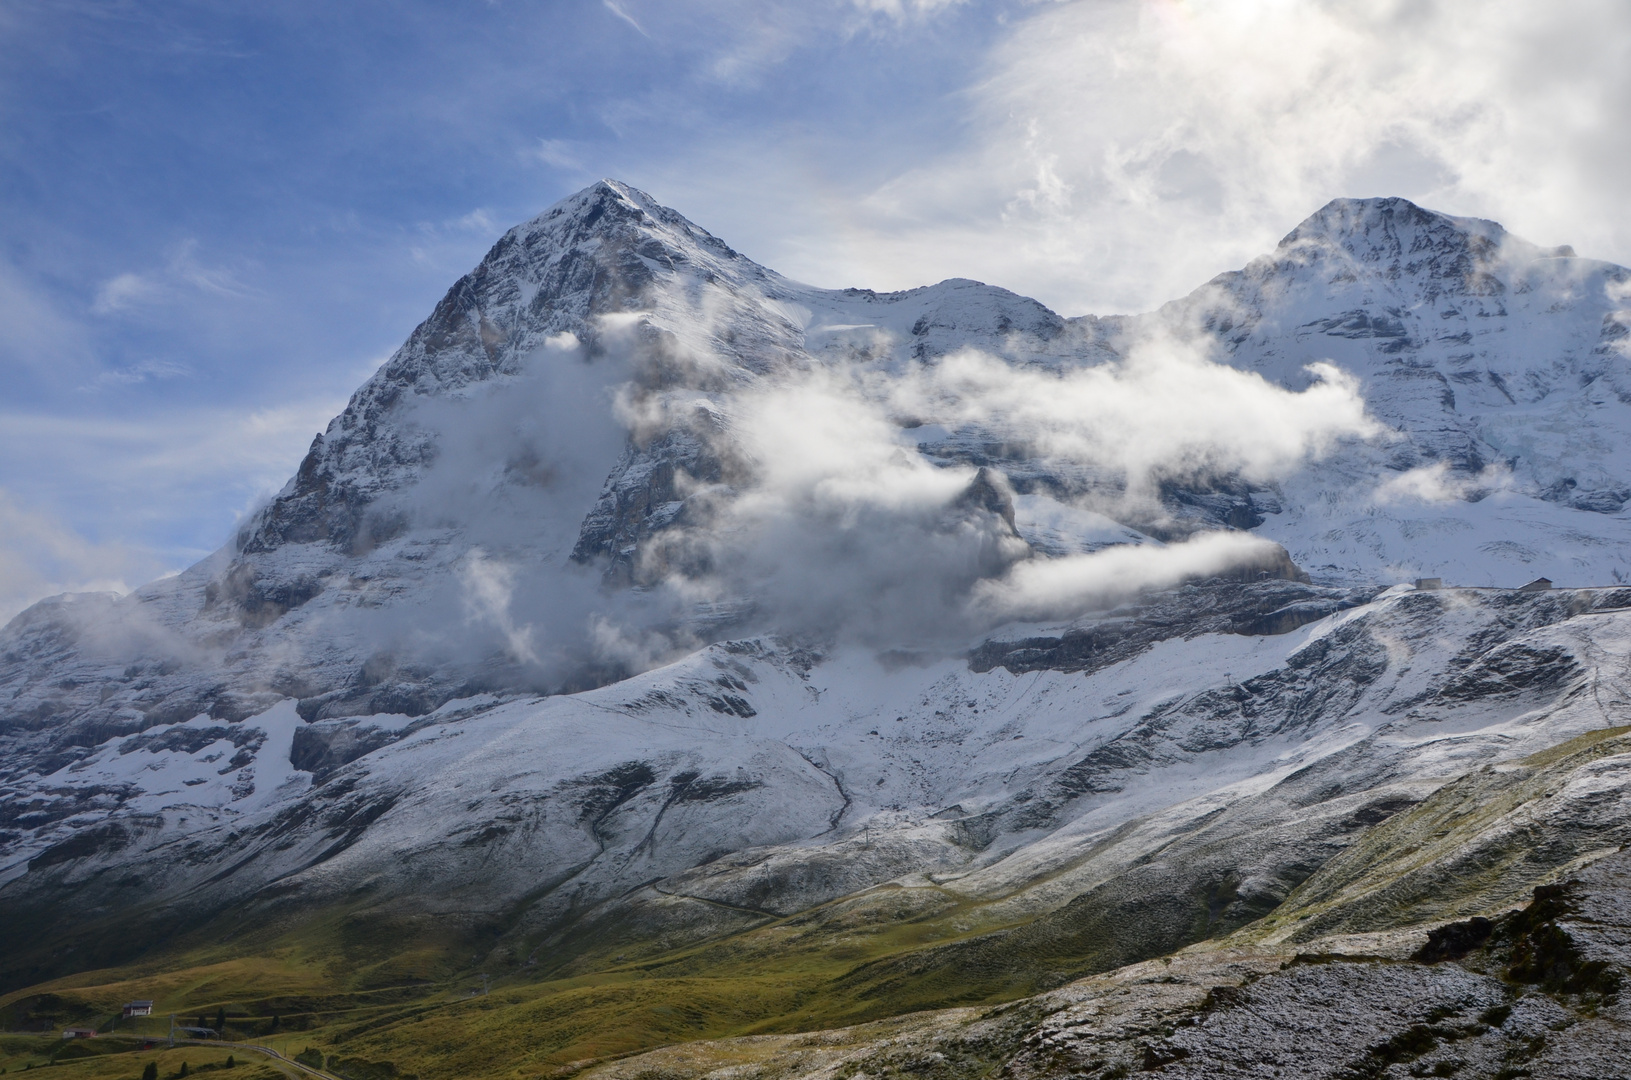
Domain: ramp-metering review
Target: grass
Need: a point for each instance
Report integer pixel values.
(118, 1059)
(860, 958)
(1438, 860)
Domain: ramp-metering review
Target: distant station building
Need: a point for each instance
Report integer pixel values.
(79, 1033)
(138, 1008)
(1540, 584)
(1429, 583)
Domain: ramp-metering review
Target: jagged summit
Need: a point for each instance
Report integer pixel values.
(1501, 366)
(1360, 222)
(601, 252)
(608, 206)
(1394, 236)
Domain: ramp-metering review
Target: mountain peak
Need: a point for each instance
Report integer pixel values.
(609, 249)
(605, 200)
(1386, 223)
(612, 208)
(1393, 239)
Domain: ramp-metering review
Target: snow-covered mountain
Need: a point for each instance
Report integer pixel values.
(645, 595)
(1500, 367)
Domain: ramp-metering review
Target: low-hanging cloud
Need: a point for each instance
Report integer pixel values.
(1059, 588)
(489, 588)
(1167, 411)
(816, 509)
(843, 525)
(839, 523)
(1439, 483)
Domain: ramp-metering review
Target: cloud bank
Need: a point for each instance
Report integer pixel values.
(1168, 411)
(836, 522)
(824, 515)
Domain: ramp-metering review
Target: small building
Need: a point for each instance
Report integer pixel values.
(79, 1033)
(1429, 583)
(138, 1008)
(1540, 584)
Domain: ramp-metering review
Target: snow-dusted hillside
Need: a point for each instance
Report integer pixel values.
(1267, 753)
(647, 590)
(1502, 370)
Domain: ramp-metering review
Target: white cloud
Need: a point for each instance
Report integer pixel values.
(477, 220)
(1061, 588)
(489, 585)
(125, 291)
(1167, 411)
(617, 10)
(1436, 483)
(182, 274)
(558, 153)
(835, 521)
(838, 524)
(40, 556)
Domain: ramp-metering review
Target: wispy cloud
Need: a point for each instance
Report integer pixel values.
(41, 555)
(140, 372)
(489, 588)
(1437, 483)
(617, 9)
(478, 220)
(178, 478)
(557, 153)
(183, 274)
(901, 10)
(1065, 587)
(124, 291)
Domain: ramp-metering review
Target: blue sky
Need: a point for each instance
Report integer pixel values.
(217, 218)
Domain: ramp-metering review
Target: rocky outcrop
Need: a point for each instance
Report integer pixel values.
(1264, 598)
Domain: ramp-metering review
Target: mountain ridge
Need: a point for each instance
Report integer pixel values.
(514, 673)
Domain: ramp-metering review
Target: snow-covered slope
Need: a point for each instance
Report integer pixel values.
(569, 619)
(753, 778)
(1502, 370)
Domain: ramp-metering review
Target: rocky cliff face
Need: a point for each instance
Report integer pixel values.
(495, 653)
